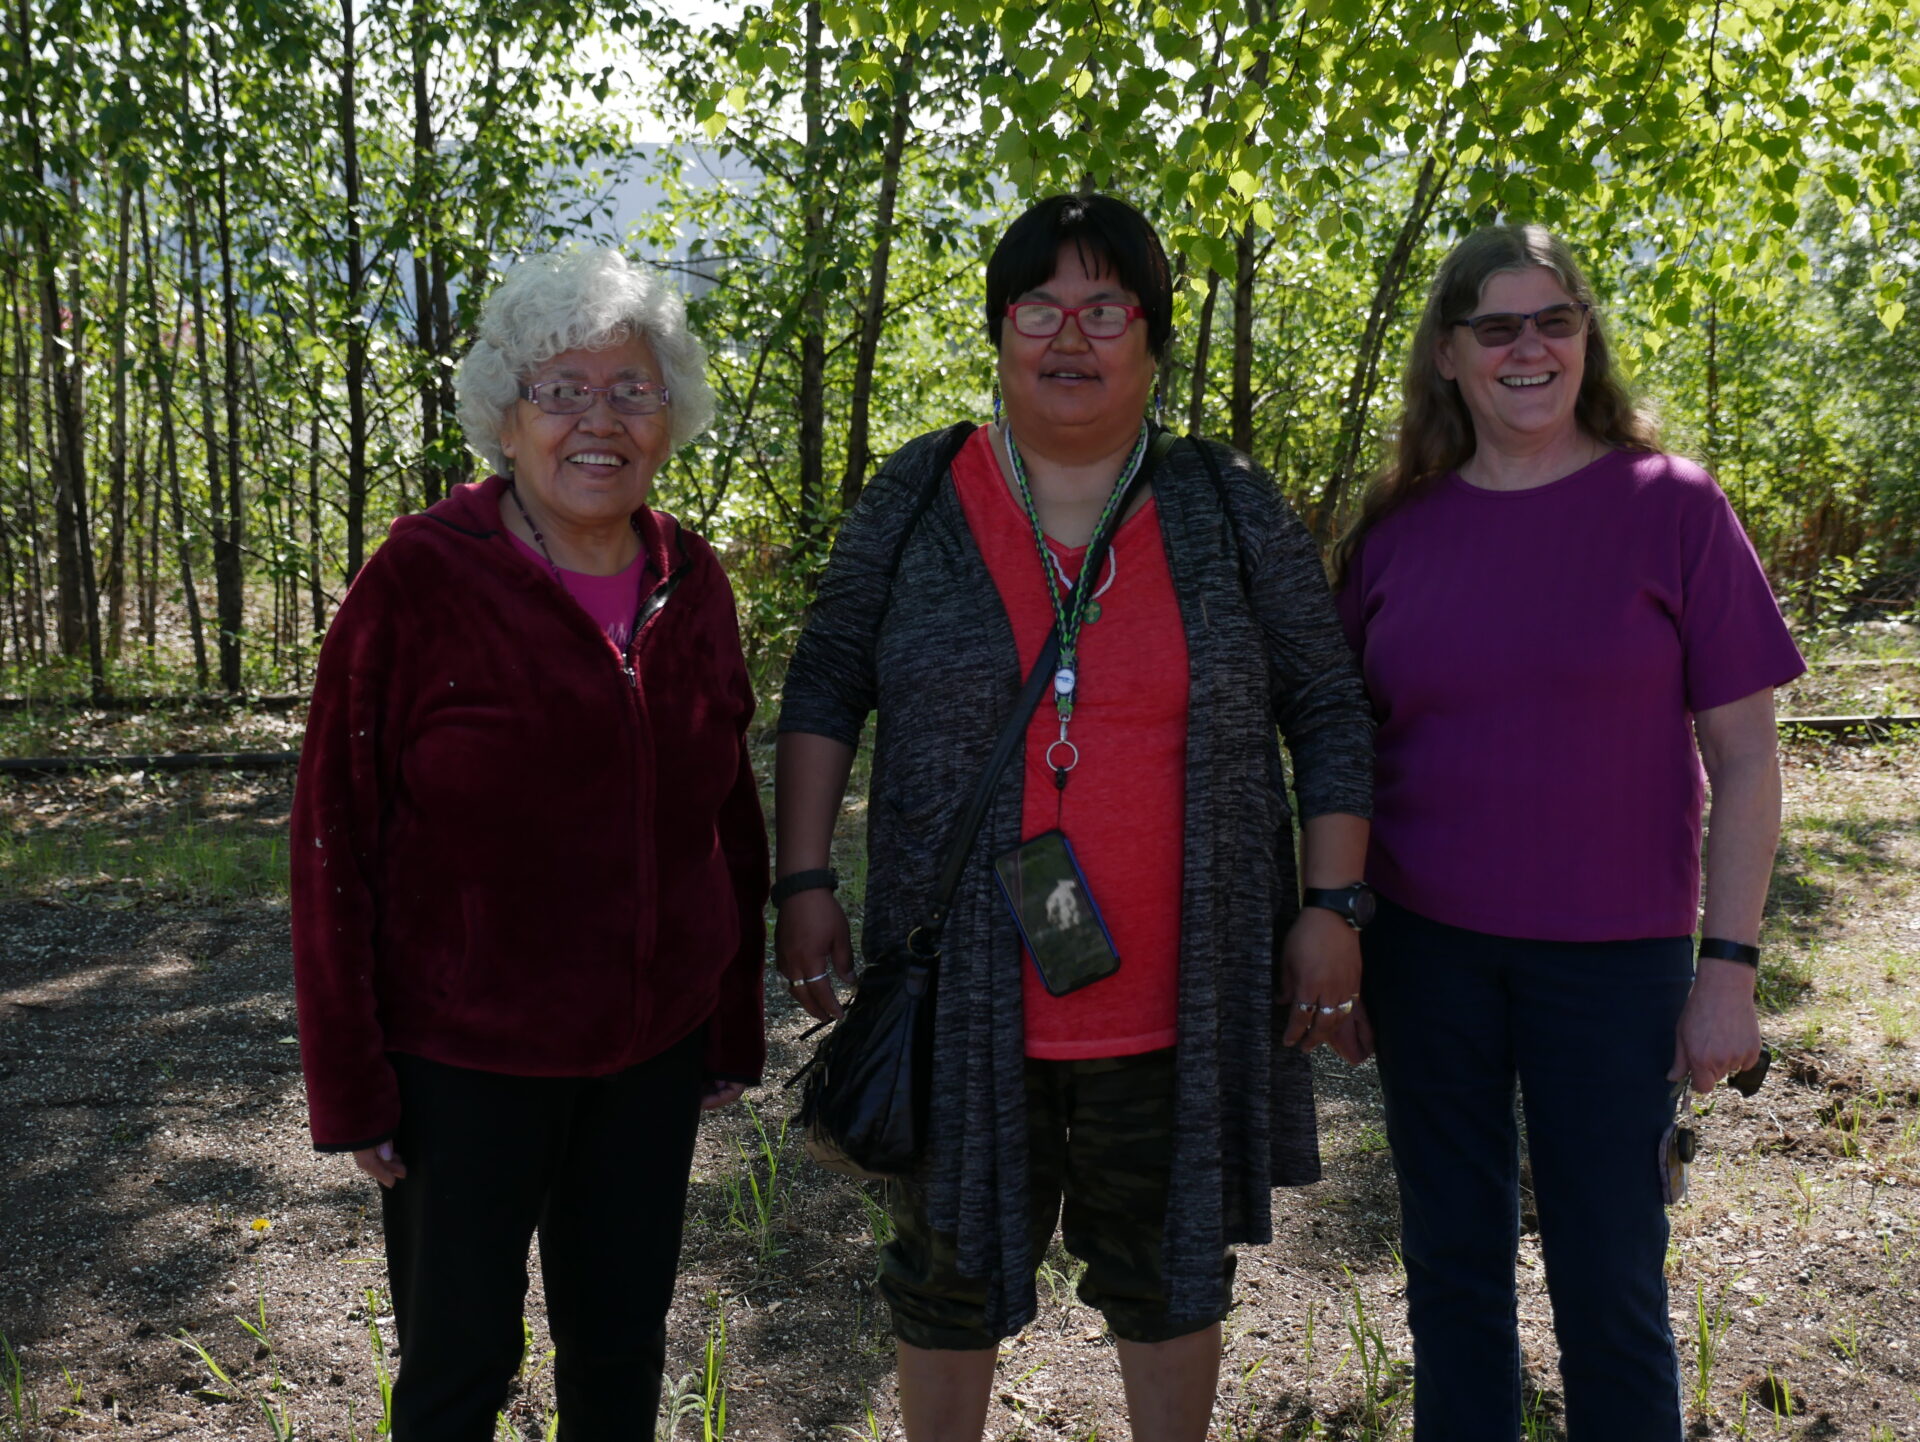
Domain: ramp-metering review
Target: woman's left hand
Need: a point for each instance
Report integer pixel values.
(1320, 967)
(721, 1094)
(1719, 1031)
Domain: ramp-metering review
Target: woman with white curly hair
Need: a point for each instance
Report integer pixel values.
(529, 864)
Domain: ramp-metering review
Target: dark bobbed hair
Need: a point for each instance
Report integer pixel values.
(1435, 434)
(1110, 236)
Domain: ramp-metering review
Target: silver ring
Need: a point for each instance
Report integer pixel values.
(1340, 1010)
(1303, 1006)
(808, 980)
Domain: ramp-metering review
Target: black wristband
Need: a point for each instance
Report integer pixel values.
(1713, 948)
(820, 878)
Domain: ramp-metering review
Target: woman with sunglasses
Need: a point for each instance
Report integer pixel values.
(1161, 1100)
(529, 864)
(1557, 624)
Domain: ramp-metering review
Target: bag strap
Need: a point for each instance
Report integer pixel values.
(1014, 730)
(952, 441)
(1226, 510)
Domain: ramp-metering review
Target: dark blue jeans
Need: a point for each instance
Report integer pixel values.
(1587, 1031)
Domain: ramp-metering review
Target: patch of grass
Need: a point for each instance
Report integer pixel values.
(1896, 1026)
(183, 859)
(1786, 975)
(1371, 1141)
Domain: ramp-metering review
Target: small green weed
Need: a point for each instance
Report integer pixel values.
(226, 1390)
(261, 1335)
(1710, 1326)
(755, 1194)
(22, 1418)
(1808, 1194)
(713, 1386)
(382, 1373)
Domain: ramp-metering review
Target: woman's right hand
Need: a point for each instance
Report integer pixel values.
(812, 945)
(381, 1163)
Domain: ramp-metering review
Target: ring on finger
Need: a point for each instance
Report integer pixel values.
(808, 980)
(1303, 1006)
(1341, 1010)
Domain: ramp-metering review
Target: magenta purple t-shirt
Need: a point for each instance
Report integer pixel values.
(1535, 659)
(610, 600)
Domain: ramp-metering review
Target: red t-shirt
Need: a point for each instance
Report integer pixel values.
(1124, 807)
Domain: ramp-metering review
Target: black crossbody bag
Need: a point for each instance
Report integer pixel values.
(863, 1109)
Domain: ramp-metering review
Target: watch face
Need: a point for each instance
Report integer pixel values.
(1364, 904)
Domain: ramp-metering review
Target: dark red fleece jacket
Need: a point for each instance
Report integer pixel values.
(505, 854)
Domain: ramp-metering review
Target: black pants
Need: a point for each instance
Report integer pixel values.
(598, 1167)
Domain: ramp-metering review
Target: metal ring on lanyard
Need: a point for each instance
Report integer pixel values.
(1074, 750)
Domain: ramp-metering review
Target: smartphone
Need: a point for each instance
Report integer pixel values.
(1054, 908)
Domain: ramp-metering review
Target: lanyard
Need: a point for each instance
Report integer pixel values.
(1069, 609)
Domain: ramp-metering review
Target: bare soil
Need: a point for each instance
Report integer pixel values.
(156, 1192)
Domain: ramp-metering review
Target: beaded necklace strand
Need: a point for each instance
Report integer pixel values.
(541, 541)
(1069, 610)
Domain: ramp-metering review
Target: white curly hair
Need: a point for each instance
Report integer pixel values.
(587, 298)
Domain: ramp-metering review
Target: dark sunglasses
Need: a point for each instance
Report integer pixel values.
(1553, 322)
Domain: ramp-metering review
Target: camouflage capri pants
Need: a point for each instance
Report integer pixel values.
(1099, 1133)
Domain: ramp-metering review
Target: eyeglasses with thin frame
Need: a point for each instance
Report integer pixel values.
(1103, 320)
(1552, 322)
(571, 398)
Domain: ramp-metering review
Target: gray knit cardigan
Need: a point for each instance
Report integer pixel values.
(928, 646)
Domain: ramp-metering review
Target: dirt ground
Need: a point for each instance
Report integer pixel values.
(175, 1262)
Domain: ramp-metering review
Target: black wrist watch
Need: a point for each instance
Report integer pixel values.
(819, 879)
(1353, 904)
(1714, 948)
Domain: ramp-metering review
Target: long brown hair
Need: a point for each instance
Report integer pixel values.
(1435, 434)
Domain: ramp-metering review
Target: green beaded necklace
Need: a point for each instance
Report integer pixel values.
(1070, 609)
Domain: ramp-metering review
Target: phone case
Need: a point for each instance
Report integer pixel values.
(1059, 921)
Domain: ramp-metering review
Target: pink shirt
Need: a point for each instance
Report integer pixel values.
(610, 600)
(1534, 659)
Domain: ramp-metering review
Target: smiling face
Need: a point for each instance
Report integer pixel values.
(1521, 396)
(1068, 396)
(589, 472)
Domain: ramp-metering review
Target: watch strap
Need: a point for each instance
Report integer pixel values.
(1342, 901)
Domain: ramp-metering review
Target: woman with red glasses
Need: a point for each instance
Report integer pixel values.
(1558, 624)
(1161, 1098)
(529, 864)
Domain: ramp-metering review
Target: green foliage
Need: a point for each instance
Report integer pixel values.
(258, 318)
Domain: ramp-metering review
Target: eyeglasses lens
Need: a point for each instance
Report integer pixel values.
(1556, 322)
(629, 398)
(1039, 320)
